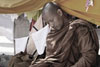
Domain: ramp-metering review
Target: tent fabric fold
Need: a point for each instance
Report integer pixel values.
(78, 9)
(21, 7)
(73, 7)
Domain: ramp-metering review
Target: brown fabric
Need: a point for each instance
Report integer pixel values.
(20, 60)
(75, 45)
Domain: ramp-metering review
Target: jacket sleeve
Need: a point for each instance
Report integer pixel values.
(87, 48)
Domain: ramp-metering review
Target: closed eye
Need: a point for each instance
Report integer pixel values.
(51, 20)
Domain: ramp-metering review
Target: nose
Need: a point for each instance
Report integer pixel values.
(51, 24)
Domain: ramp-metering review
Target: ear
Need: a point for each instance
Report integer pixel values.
(59, 12)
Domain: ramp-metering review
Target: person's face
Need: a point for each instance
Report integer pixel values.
(55, 21)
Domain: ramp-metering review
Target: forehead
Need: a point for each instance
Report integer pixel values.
(49, 15)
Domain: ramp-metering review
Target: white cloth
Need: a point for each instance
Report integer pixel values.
(98, 33)
(20, 44)
(39, 39)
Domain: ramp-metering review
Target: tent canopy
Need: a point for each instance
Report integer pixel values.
(73, 7)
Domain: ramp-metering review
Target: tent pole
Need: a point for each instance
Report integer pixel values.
(14, 38)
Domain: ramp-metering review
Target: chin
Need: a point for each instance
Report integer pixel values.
(58, 28)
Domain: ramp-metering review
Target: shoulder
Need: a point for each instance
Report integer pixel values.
(80, 26)
(79, 22)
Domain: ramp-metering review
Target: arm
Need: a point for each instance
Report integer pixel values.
(87, 48)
